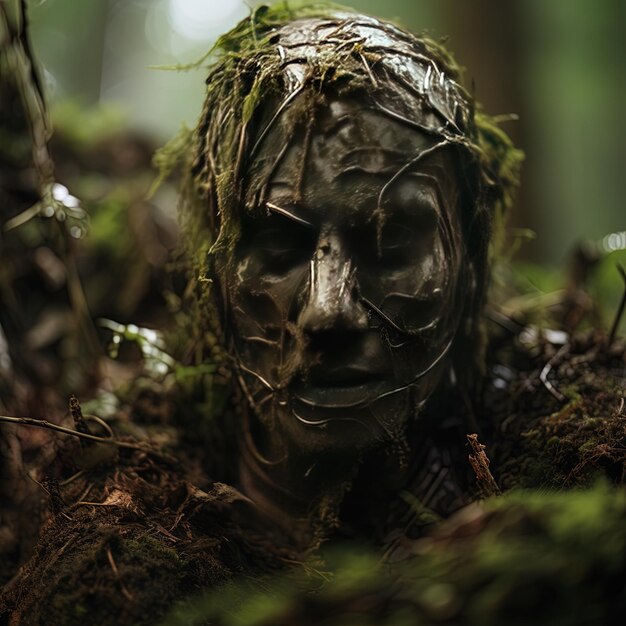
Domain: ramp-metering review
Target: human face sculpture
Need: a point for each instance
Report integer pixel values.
(344, 292)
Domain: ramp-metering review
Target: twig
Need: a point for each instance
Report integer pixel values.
(56, 500)
(480, 464)
(547, 368)
(72, 478)
(368, 69)
(77, 416)
(127, 594)
(83, 495)
(165, 532)
(504, 321)
(620, 308)
(102, 423)
(39, 423)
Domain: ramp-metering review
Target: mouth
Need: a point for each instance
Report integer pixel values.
(339, 388)
(342, 377)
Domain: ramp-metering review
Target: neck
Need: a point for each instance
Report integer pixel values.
(299, 492)
(306, 495)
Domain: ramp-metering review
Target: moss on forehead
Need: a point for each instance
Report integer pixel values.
(257, 73)
(249, 66)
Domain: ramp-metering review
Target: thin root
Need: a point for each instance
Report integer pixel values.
(543, 377)
(127, 594)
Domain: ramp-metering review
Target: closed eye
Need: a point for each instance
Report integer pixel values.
(278, 243)
(395, 238)
(397, 245)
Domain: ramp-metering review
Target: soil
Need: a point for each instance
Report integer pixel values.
(129, 535)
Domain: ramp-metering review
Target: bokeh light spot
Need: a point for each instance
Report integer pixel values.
(199, 19)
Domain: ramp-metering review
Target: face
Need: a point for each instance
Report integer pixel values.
(344, 294)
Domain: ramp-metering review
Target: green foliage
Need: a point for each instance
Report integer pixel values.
(529, 291)
(502, 162)
(526, 557)
(109, 230)
(532, 278)
(83, 126)
(607, 287)
(171, 156)
(156, 361)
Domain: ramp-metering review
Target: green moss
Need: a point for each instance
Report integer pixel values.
(74, 581)
(524, 558)
(232, 101)
(588, 446)
(152, 552)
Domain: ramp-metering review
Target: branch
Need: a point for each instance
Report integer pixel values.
(480, 464)
(39, 423)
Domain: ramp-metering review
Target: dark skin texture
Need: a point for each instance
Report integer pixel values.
(344, 297)
(348, 199)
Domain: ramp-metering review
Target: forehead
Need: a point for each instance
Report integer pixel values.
(346, 158)
(349, 137)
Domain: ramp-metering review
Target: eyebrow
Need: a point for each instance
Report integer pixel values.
(281, 211)
(395, 162)
(362, 169)
(353, 161)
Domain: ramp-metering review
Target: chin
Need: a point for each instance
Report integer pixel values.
(321, 431)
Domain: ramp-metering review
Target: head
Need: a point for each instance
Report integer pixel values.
(348, 191)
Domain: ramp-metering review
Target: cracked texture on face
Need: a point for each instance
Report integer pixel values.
(344, 192)
(346, 277)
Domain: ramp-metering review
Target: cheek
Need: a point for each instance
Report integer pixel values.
(261, 305)
(418, 295)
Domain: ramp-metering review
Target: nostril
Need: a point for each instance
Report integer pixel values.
(334, 340)
(334, 320)
(336, 310)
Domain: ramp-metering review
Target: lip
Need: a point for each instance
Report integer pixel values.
(344, 377)
(344, 388)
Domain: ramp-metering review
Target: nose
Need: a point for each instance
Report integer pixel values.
(332, 303)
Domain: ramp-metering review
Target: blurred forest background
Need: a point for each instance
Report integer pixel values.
(559, 65)
(553, 70)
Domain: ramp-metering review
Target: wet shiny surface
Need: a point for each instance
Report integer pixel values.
(344, 292)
